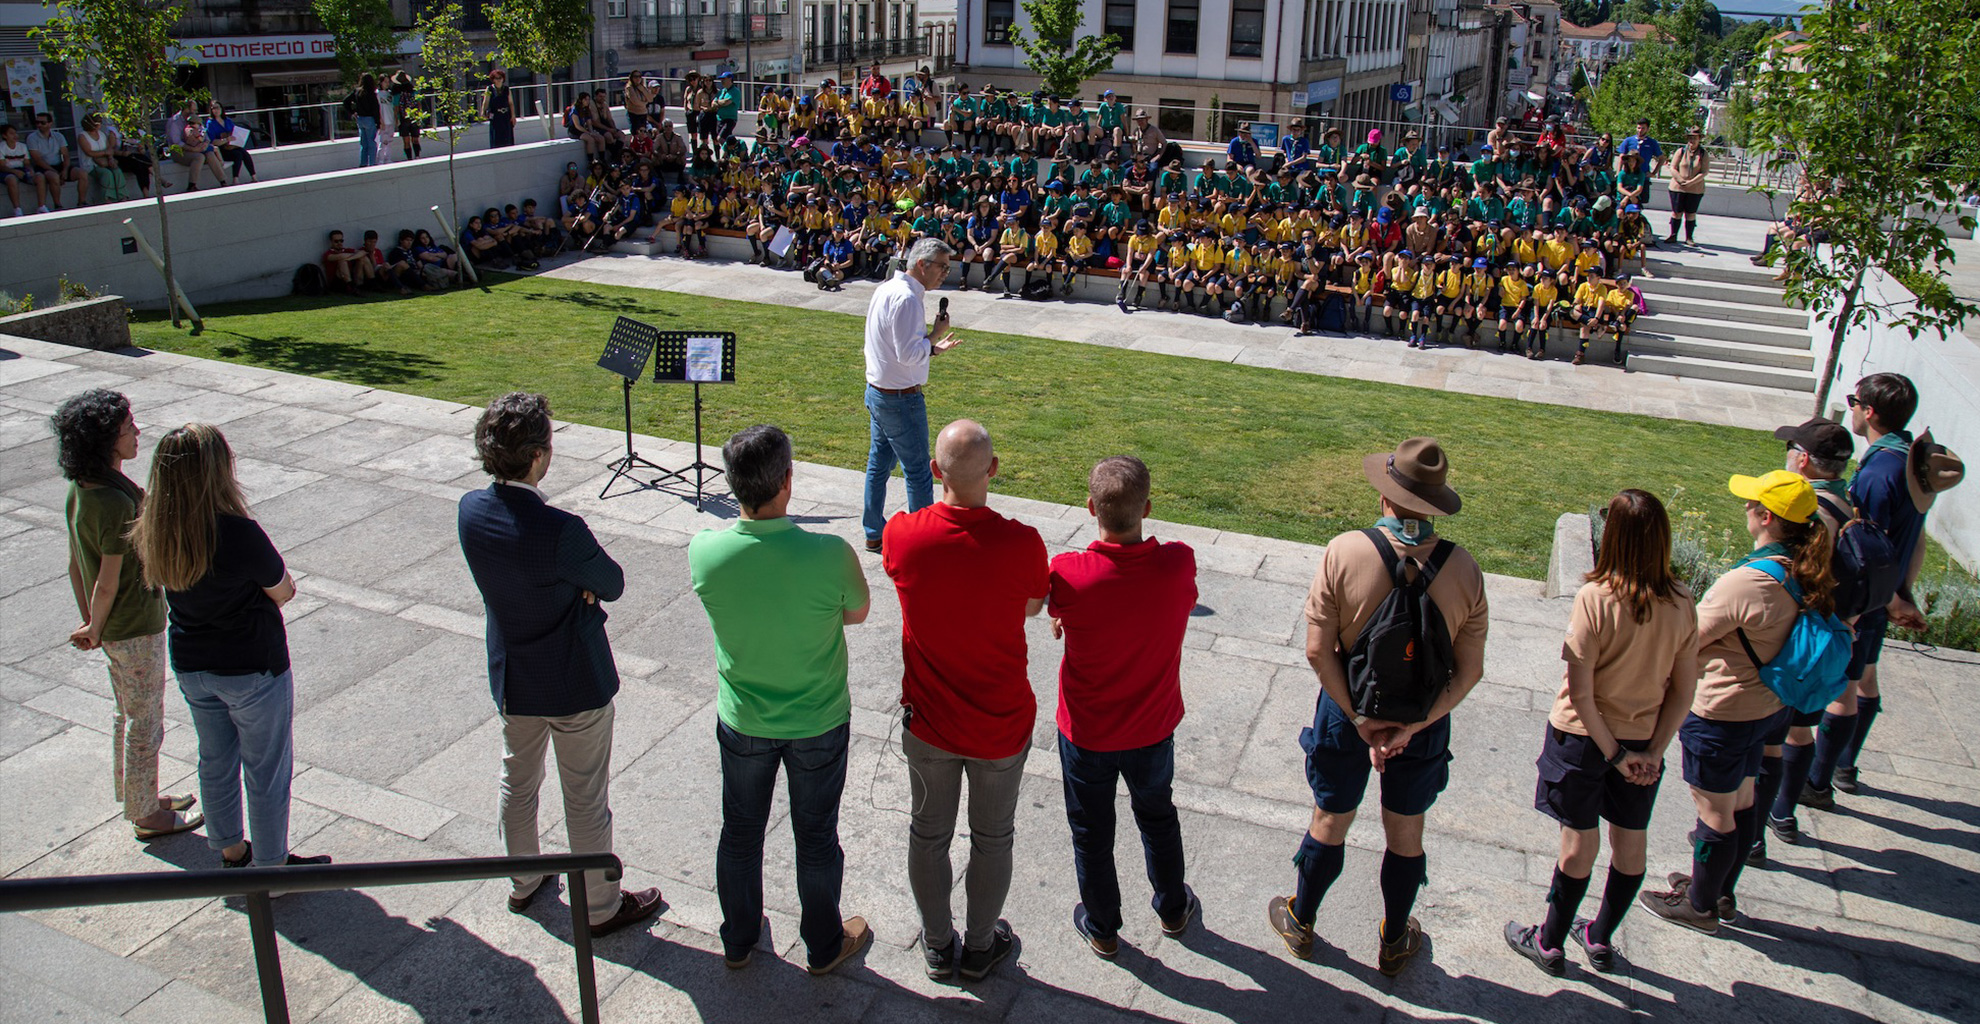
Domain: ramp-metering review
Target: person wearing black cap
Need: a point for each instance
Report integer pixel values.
(1359, 577)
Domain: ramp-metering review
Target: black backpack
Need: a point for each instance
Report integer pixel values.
(1402, 660)
(1865, 565)
(308, 280)
(1036, 291)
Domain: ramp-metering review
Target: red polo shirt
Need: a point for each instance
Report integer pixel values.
(1124, 608)
(964, 576)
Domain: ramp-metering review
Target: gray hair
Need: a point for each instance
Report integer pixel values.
(756, 461)
(1831, 469)
(928, 250)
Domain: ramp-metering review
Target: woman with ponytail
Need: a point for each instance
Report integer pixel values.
(122, 615)
(225, 585)
(1632, 664)
(1743, 623)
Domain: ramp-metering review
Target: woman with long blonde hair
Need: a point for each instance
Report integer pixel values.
(225, 585)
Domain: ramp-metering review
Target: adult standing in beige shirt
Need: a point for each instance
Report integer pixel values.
(1688, 170)
(1358, 571)
(1632, 665)
(1743, 623)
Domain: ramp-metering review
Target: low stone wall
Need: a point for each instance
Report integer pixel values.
(102, 323)
(1573, 556)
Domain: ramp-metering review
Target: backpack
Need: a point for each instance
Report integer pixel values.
(1865, 564)
(1333, 314)
(1808, 673)
(1036, 291)
(1402, 660)
(308, 280)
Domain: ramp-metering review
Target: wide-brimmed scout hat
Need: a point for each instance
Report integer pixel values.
(1785, 494)
(1412, 477)
(1930, 468)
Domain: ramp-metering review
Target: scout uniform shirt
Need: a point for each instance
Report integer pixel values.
(1513, 289)
(1631, 661)
(1353, 581)
(1729, 686)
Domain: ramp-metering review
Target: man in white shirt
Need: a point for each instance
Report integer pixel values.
(898, 347)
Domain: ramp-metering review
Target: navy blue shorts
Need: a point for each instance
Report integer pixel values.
(1793, 718)
(1337, 764)
(1718, 756)
(1869, 645)
(1578, 788)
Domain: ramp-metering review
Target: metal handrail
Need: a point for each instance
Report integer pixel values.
(23, 894)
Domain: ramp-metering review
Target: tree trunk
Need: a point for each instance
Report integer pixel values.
(165, 248)
(1837, 332)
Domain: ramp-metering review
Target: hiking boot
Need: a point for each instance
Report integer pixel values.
(1846, 779)
(1675, 907)
(1298, 937)
(1728, 907)
(1787, 830)
(1818, 799)
(1580, 358)
(1601, 955)
(1106, 947)
(941, 961)
(1525, 940)
(978, 963)
(1391, 957)
(1176, 926)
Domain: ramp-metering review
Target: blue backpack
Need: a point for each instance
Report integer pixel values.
(1808, 673)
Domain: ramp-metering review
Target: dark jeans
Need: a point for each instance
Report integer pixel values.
(815, 773)
(1090, 778)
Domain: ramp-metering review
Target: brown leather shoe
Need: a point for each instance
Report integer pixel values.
(633, 908)
(857, 935)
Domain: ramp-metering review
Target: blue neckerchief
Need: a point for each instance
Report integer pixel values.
(1409, 531)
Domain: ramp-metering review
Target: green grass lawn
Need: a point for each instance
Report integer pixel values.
(1231, 447)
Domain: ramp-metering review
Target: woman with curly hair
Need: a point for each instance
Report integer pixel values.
(225, 585)
(122, 615)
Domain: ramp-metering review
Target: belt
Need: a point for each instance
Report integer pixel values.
(915, 390)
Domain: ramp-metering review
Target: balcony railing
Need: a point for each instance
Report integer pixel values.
(653, 31)
(753, 28)
(865, 52)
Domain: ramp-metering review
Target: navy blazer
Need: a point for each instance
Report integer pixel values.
(547, 651)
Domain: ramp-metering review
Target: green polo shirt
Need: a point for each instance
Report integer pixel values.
(776, 596)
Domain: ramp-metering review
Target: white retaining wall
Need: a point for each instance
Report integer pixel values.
(1946, 369)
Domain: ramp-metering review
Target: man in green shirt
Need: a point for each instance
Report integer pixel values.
(779, 599)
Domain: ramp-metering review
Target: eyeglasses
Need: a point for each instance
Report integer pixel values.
(1854, 401)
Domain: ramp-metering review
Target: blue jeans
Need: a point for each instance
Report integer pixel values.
(815, 773)
(1090, 778)
(367, 141)
(900, 434)
(246, 730)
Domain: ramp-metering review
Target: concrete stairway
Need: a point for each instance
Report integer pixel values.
(1721, 322)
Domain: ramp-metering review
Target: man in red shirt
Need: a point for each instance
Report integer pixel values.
(1121, 607)
(968, 578)
(876, 85)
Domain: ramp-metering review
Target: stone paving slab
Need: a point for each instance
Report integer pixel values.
(1876, 919)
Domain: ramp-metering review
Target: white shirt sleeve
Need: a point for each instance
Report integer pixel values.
(897, 346)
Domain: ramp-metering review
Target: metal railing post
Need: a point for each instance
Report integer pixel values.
(267, 958)
(581, 945)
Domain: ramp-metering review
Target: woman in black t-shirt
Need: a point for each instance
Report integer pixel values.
(225, 585)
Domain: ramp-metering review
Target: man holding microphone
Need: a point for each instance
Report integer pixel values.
(898, 347)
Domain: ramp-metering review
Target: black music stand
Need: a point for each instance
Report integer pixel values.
(626, 353)
(684, 357)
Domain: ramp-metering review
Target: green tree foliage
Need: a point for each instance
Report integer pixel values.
(1650, 83)
(1585, 12)
(446, 57)
(1578, 82)
(1739, 117)
(1692, 28)
(1056, 51)
(119, 53)
(1882, 107)
(541, 35)
(1637, 11)
(363, 32)
(1739, 45)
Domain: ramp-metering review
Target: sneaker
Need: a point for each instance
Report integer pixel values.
(1525, 940)
(978, 963)
(1580, 358)
(1846, 779)
(1391, 957)
(856, 936)
(1728, 908)
(1106, 947)
(1818, 799)
(1787, 830)
(1122, 303)
(1675, 907)
(1298, 937)
(737, 961)
(1756, 855)
(1601, 955)
(1175, 927)
(940, 962)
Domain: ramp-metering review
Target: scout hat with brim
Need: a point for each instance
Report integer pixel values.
(1930, 468)
(1412, 478)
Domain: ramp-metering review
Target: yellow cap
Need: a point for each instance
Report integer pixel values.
(1785, 494)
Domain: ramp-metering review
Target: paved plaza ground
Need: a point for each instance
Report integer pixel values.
(397, 748)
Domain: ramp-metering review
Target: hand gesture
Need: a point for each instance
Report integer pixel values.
(1380, 736)
(85, 637)
(1058, 630)
(1641, 768)
(1906, 615)
(590, 598)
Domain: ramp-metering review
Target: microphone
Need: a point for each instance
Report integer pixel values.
(942, 311)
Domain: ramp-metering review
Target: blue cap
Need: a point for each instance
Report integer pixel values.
(1406, 254)
(1479, 263)
(1632, 208)
(1485, 147)
(1056, 186)
(1382, 215)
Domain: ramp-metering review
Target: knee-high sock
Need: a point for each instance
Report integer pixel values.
(1563, 898)
(1401, 878)
(1617, 895)
(1746, 828)
(1866, 713)
(1835, 733)
(1317, 865)
(1794, 772)
(1712, 856)
(1772, 780)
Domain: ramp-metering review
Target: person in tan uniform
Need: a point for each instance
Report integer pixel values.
(1734, 712)
(1632, 666)
(1413, 758)
(1688, 170)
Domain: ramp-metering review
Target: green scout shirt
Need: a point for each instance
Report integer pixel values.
(1110, 114)
(98, 517)
(776, 596)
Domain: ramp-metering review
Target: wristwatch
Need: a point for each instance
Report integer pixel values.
(1621, 752)
(1358, 719)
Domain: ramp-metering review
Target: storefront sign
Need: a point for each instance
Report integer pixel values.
(1323, 92)
(781, 66)
(261, 49)
(708, 55)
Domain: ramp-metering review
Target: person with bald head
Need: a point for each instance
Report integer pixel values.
(967, 578)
